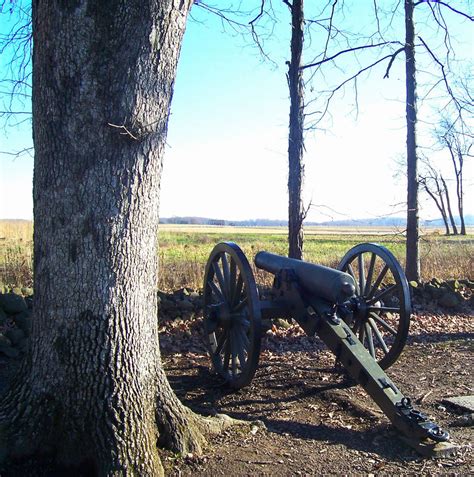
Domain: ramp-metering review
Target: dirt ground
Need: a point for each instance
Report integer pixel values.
(305, 418)
(314, 421)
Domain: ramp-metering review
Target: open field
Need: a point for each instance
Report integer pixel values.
(184, 249)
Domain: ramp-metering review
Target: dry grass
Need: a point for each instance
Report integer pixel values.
(16, 253)
(184, 250)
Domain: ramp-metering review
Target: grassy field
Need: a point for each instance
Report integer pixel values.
(184, 250)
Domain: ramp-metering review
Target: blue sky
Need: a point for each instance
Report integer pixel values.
(227, 142)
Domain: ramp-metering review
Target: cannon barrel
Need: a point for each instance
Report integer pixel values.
(332, 285)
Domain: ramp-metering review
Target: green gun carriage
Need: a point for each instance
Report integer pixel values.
(361, 311)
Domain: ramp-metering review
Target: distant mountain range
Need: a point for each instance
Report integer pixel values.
(375, 222)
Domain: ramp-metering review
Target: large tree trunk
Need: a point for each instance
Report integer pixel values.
(295, 141)
(412, 252)
(92, 390)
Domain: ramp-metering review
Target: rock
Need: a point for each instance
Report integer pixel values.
(9, 351)
(453, 284)
(468, 283)
(6, 347)
(186, 305)
(15, 335)
(29, 302)
(22, 345)
(166, 304)
(434, 291)
(12, 303)
(3, 316)
(23, 321)
(449, 300)
(4, 341)
(465, 420)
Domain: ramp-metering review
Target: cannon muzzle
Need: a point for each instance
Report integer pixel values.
(331, 285)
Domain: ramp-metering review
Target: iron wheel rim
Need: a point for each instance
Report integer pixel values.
(383, 299)
(232, 318)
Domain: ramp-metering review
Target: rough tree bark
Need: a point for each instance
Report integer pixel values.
(91, 391)
(296, 129)
(412, 267)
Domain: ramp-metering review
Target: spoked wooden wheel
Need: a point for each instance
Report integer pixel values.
(232, 317)
(382, 315)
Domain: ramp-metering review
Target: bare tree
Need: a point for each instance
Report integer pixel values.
(296, 131)
(383, 42)
(91, 392)
(434, 185)
(412, 268)
(458, 144)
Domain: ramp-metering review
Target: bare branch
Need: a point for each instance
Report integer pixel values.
(443, 72)
(392, 59)
(438, 2)
(349, 50)
(17, 154)
(348, 80)
(260, 14)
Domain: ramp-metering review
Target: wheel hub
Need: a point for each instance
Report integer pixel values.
(361, 310)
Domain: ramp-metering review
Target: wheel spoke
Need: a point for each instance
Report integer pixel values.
(378, 282)
(241, 305)
(378, 335)
(356, 326)
(225, 363)
(232, 281)
(220, 277)
(238, 290)
(220, 342)
(370, 273)
(360, 262)
(234, 355)
(370, 340)
(245, 324)
(245, 338)
(239, 346)
(362, 334)
(384, 308)
(225, 269)
(212, 341)
(383, 323)
(216, 290)
(383, 293)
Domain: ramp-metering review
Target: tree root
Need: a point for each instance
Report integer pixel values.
(193, 437)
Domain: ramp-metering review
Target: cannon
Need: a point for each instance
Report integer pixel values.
(361, 311)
